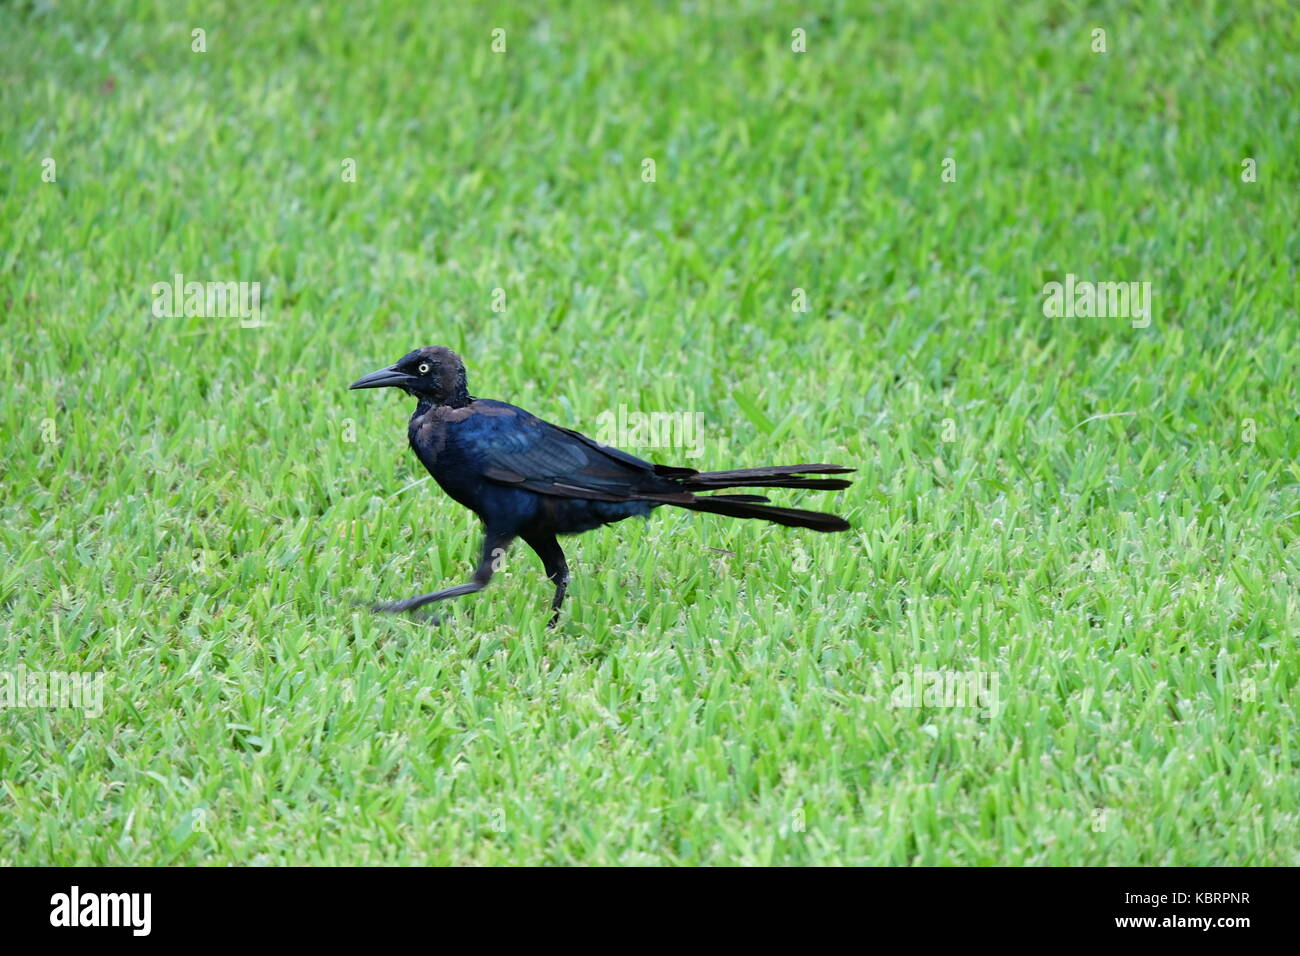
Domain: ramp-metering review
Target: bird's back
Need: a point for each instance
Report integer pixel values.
(497, 458)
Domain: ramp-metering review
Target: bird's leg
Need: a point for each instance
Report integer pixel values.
(557, 569)
(494, 546)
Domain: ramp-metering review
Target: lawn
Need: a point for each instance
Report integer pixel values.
(1063, 629)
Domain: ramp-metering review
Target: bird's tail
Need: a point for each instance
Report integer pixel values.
(755, 506)
(791, 517)
(773, 476)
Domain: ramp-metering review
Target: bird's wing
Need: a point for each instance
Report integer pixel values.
(515, 448)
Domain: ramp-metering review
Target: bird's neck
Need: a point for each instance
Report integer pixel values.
(424, 404)
(458, 398)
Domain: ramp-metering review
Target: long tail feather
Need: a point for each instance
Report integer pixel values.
(773, 476)
(791, 517)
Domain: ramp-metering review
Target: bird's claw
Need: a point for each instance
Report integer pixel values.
(411, 605)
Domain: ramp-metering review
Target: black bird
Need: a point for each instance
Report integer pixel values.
(530, 479)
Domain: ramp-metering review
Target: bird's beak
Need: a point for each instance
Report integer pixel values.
(381, 379)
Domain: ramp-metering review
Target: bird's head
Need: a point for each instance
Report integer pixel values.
(434, 372)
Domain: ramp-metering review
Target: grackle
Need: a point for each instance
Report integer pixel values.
(526, 478)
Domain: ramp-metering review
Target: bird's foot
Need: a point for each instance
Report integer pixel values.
(410, 605)
(397, 607)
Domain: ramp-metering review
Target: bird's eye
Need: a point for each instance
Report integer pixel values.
(424, 368)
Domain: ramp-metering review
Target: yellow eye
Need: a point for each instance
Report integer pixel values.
(424, 368)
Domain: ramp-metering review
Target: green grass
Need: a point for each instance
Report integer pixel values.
(1102, 517)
